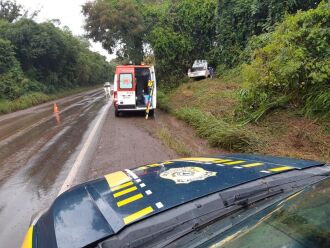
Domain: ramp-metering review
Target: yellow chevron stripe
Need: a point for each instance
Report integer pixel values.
(142, 168)
(124, 185)
(117, 178)
(129, 200)
(252, 165)
(282, 168)
(153, 165)
(234, 162)
(167, 162)
(125, 191)
(28, 239)
(221, 160)
(137, 215)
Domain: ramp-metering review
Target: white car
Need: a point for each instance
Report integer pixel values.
(199, 70)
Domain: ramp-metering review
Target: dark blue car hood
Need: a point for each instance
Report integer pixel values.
(98, 209)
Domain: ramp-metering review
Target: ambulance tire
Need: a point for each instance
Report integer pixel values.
(117, 113)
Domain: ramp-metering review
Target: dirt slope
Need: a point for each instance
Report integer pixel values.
(282, 132)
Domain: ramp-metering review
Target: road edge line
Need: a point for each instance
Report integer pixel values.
(80, 158)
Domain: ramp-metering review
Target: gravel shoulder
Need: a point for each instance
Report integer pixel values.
(126, 142)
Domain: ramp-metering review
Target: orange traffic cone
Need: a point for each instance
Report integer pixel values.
(55, 108)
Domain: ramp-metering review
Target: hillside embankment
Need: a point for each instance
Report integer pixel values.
(210, 106)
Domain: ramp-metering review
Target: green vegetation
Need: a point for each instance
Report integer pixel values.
(36, 98)
(278, 49)
(23, 102)
(163, 101)
(116, 23)
(272, 58)
(177, 32)
(240, 20)
(40, 59)
(218, 132)
(164, 135)
(210, 107)
(292, 66)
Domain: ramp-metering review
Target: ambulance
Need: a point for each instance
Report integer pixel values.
(132, 91)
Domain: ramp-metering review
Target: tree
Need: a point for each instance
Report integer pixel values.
(117, 25)
(42, 57)
(10, 10)
(239, 20)
(292, 65)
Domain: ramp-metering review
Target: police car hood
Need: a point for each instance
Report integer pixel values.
(98, 209)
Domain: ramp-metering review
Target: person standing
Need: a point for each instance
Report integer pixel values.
(107, 90)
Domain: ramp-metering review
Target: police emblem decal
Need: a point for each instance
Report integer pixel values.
(186, 174)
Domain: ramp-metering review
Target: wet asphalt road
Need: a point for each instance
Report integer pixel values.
(36, 152)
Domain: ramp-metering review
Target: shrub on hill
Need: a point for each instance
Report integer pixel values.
(293, 67)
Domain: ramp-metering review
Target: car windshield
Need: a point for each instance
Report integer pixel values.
(300, 221)
(197, 69)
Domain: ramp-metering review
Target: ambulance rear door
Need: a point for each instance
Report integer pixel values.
(126, 88)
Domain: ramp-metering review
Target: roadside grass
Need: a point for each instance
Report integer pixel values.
(164, 135)
(36, 98)
(23, 102)
(212, 95)
(210, 107)
(218, 132)
(163, 101)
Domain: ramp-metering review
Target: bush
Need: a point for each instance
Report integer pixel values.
(23, 102)
(218, 132)
(294, 64)
(163, 101)
(318, 104)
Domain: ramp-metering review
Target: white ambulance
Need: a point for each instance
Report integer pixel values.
(131, 89)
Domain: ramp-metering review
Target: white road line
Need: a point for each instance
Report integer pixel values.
(81, 156)
(265, 171)
(138, 180)
(238, 167)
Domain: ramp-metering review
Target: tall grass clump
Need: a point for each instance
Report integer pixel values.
(35, 98)
(317, 103)
(23, 102)
(163, 101)
(219, 133)
(291, 67)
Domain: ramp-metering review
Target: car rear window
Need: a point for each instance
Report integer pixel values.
(125, 81)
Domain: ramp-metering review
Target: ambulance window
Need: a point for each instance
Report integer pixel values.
(125, 81)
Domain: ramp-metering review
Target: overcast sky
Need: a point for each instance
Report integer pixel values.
(67, 11)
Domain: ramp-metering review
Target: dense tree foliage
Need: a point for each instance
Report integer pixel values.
(292, 65)
(43, 58)
(179, 32)
(284, 44)
(239, 20)
(116, 24)
(10, 10)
